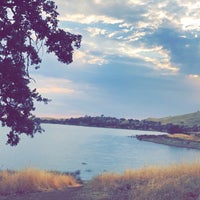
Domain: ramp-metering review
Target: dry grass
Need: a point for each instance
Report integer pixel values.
(176, 182)
(31, 180)
(180, 182)
(190, 137)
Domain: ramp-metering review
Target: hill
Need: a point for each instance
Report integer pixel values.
(191, 119)
(176, 124)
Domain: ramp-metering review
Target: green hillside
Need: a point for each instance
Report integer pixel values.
(190, 119)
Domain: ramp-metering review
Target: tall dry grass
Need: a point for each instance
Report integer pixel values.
(31, 180)
(176, 182)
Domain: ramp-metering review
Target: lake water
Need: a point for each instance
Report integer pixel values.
(90, 150)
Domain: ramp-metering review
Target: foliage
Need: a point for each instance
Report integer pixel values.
(25, 28)
(134, 124)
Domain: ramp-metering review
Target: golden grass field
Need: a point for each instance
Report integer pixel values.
(189, 137)
(175, 182)
(31, 180)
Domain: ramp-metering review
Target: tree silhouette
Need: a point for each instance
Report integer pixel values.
(26, 28)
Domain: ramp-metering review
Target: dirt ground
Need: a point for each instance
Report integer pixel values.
(77, 193)
(68, 194)
(87, 193)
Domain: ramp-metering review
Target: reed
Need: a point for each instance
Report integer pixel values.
(31, 180)
(180, 182)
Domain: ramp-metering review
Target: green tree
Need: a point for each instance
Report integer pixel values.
(26, 27)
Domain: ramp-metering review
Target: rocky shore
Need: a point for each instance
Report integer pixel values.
(170, 140)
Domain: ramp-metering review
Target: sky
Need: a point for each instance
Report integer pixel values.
(138, 59)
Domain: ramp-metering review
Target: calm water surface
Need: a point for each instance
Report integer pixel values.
(90, 150)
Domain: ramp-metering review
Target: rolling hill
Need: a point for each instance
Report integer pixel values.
(191, 119)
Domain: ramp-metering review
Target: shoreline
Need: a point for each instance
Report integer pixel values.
(170, 141)
(137, 184)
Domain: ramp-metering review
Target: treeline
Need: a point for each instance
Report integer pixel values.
(122, 123)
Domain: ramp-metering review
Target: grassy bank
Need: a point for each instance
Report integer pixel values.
(190, 140)
(177, 182)
(180, 182)
(31, 180)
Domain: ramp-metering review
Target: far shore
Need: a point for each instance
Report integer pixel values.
(183, 140)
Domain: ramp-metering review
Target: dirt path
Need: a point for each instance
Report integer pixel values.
(77, 193)
(68, 194)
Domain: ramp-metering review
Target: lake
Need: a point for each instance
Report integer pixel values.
(90, 150)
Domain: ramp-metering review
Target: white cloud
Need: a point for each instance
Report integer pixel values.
(194, 80)
(148, 13)
(194, 76)
(136, 2)
(98, 1)
(88, 19)
(96, 31)
(136, 36)
(189, 23)
(86, 57)
(54, 89)
(122, 32)
(52, 86)
(156, 56)
(126, 30)
(113, 34)
(126, 25)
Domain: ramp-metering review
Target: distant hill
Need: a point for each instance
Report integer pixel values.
(191, 119)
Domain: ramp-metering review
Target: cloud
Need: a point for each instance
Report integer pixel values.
(96, 31)
(183, 48)
(136, 2)
(148, 52)
(52, 86)
(89, 19)
(188, 23)
(194, 76)
(157, 25)
(194, 80)
(86, 57)
(156, 56)
(49, 89)
(145, 14)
